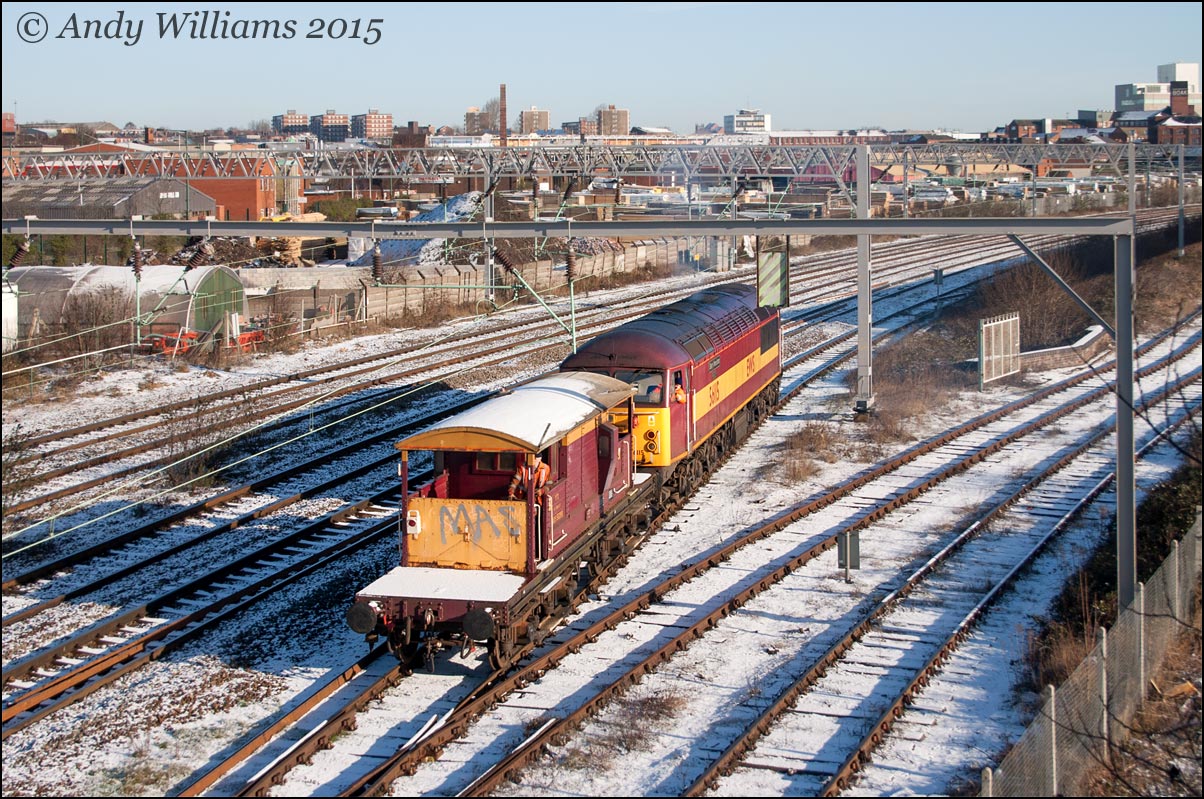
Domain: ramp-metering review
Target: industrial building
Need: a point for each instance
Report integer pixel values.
(107, 198)
(1156, 95)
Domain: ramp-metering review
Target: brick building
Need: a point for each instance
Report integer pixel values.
(331, 127)
(372, 125)
(614, 121)
(290, 123)
(534, 119)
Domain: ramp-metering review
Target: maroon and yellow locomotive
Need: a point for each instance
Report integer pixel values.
(704, 370)
(637, 417)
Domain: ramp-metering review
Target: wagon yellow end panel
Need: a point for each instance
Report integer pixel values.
(467, 533)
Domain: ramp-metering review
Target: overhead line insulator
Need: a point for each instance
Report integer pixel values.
(506, 263)
(137, 262)
(19, 254)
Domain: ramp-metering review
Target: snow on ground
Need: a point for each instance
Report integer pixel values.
(403, 252)
(151, 730)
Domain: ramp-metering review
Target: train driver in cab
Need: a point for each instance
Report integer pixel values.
(518, 484)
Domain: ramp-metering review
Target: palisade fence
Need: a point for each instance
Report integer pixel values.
(1080, 722)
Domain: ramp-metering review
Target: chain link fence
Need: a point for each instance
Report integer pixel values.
(1080, 722)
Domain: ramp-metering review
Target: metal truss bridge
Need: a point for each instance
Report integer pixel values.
(686, 164)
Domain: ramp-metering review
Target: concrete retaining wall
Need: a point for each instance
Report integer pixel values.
(1093, 343)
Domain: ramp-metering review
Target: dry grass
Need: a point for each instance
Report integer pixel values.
(1054, 655)
(150, 383)
(1162, 756)
(912, 376)
(1167, 289)
(431, 314)
(1055, 652)
(613, 280)
(630, 731)
(800, 451)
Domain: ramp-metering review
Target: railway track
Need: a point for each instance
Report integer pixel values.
(530, 672)
(71, 669)
(790, 328)
(655, 629)
(54, 694)
(272, 487)
(911, 634)
(894, 263)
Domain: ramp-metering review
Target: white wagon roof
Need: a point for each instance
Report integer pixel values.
(527, 417)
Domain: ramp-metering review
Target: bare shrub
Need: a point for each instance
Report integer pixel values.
(90, 323)
(1167, 290)
(16, 471)
(1048, 315)
(826, 244)
(192, 433)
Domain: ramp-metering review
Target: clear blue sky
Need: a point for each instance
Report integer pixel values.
(959, 66)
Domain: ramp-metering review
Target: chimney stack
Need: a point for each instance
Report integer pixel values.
(501, 112)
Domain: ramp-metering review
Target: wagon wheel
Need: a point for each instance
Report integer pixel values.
(499, 654)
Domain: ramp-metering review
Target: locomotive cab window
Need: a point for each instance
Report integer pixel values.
(649, 386)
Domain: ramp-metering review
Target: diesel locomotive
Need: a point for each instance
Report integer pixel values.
(634, 420)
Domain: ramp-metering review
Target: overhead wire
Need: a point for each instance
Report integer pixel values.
(209, 474)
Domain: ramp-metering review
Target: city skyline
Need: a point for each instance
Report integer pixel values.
(969, 67)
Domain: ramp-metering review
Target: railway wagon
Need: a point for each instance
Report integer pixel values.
(478, 566)
(704, 370)
(636, 419)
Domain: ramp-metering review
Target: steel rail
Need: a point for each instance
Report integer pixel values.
(376, 783)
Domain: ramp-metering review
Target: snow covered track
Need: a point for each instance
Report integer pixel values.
(410, 716)
(76, 465)
(545, 685)
(715, 625)
(849, 700)
(54, 678)
(255, 500)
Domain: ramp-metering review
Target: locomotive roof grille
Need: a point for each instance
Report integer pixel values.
(689, 329)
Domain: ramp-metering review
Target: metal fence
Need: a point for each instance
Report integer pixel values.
(1079, 723)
